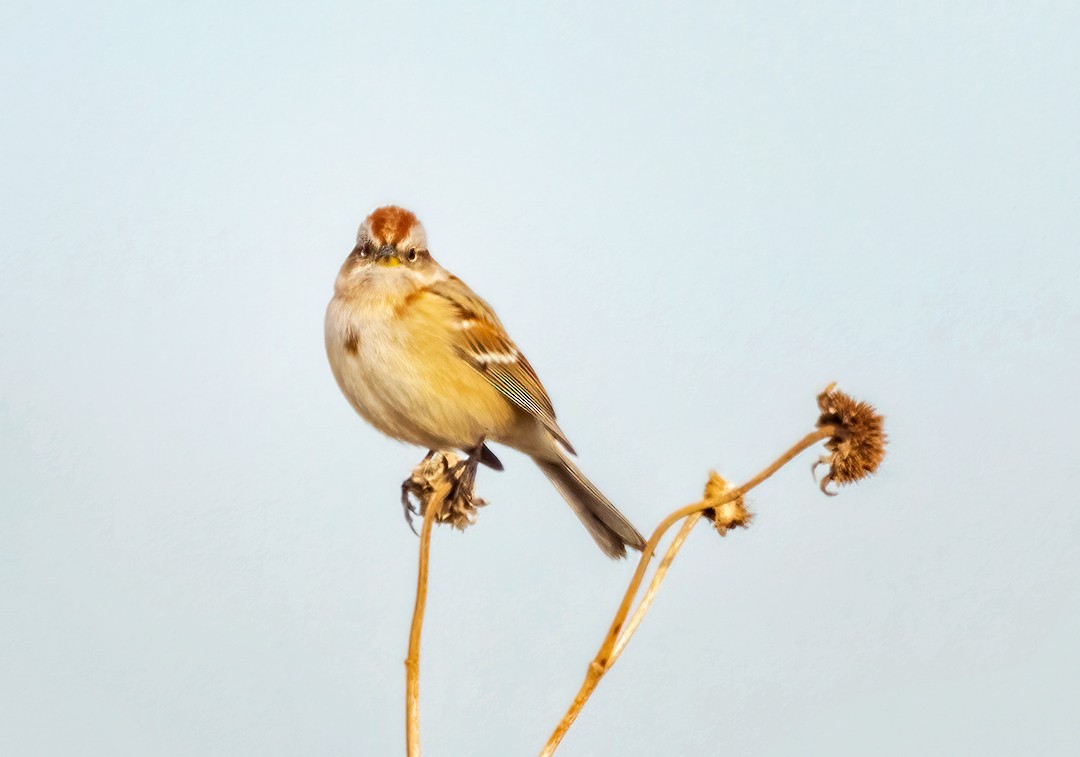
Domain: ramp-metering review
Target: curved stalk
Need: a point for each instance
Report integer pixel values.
(412, 662)
(617, 636)
(654, 586)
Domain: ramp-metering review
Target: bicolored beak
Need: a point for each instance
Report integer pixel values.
(387, 255)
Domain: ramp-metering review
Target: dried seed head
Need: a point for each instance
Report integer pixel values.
(443, 478)
(726, 514)
(857, 445)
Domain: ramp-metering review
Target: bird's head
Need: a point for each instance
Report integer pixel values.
(391, 251)
(391, 237)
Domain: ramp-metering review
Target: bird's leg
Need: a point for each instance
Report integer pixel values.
(465, 470)
(406, 488)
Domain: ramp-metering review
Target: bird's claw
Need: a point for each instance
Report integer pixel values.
(407, 507)
(462, 477)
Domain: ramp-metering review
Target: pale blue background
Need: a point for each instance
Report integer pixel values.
(691, 218)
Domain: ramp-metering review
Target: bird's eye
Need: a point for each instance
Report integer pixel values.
(412, 255)
(362, 251)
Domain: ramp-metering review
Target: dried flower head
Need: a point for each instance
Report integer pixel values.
(443, 478)
(857, 445)
(725, 513)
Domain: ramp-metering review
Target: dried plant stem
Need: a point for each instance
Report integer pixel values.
(654, 586)
(796, 449)
(618, 635)
(412, 662)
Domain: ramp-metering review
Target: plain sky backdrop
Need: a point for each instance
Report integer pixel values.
(691, 218)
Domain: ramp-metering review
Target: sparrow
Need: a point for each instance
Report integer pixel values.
(426, 361)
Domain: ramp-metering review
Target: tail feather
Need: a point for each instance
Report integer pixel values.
(608, 527)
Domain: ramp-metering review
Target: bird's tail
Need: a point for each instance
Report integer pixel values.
(608, 527)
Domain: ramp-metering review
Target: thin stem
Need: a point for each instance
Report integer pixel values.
(605, 657)
(598, 666)
(794, 451)
(654, 586)
(412, 662)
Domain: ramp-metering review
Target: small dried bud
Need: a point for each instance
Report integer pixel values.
(443, 478)
(726, 515)
(857, 445)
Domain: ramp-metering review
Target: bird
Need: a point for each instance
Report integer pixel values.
(425, 360)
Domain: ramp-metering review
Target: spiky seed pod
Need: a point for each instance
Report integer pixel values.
(857, 445)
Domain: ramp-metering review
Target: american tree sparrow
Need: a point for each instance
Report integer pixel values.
(423, 359)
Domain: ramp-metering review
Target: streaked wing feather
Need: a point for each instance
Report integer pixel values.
(488, 347)
(484, 343)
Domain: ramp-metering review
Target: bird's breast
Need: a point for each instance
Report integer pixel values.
(365, 355)
(400, 370)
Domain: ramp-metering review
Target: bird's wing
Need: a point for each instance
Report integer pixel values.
(483, 342)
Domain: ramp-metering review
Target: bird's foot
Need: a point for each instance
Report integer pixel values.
(407, 507)
(408, 486)
(464, 473)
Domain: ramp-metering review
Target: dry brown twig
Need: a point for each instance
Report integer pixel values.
(444, 497)
(854, 439)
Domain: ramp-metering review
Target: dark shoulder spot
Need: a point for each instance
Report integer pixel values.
(352, 342)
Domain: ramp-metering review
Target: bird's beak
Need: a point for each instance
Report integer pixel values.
(387, 256)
